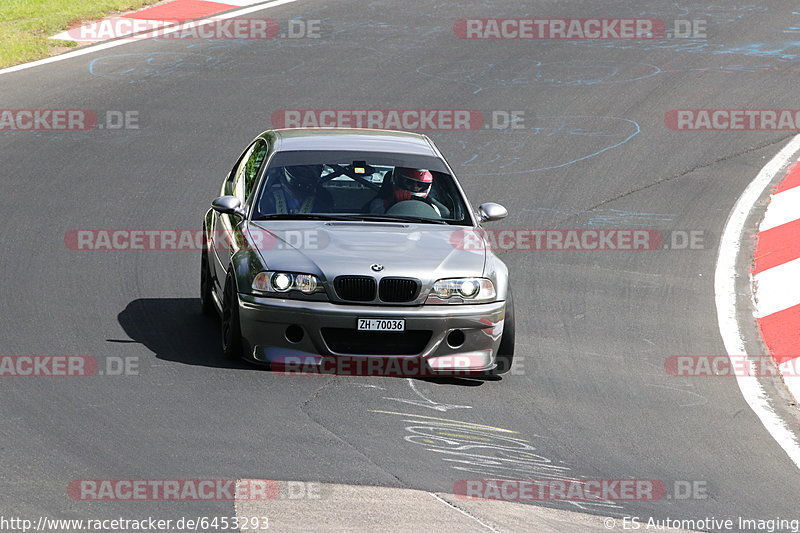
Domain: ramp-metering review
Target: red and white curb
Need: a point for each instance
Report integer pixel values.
(174, 12)
(776, 278)
(726, 298)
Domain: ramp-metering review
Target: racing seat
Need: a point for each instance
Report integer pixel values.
(384, 192)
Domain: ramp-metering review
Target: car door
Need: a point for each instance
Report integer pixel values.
(241, 183)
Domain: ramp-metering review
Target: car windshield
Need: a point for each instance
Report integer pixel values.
(360, 186)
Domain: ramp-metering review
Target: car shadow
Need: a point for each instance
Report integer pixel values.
(467, 381)
(174, 329)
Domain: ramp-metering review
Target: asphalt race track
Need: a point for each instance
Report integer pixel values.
(589, 396)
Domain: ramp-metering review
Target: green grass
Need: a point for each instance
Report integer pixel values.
(26, 25)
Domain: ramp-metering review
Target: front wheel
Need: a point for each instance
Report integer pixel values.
(505, 353)
(231, 327)
(206, 286)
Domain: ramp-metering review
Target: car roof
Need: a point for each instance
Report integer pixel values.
(344, 139)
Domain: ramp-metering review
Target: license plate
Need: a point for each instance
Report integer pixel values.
(381, 324)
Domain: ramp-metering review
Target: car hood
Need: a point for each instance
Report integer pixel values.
(331, 248)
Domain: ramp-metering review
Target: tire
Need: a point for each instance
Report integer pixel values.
(505, 353)
(231, 327)
(206, 286)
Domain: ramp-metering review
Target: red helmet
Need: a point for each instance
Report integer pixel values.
(411, 183)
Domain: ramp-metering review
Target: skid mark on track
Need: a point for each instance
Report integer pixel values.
(702, 399)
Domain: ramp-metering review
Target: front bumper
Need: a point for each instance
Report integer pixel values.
(265, 324)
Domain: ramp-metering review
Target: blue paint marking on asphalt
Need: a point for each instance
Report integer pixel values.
(532, 72)
(778, 50)
(149, 64)
(605, 218)
(579, 74)
(638, 130)
(785, 50)
(138, 66)
(714, 15)
(795, 28)
(620, 217)
(497, 153)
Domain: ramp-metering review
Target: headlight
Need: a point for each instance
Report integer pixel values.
(306, 283)
(281, 281)
(285, 282)
(462, 290)
(261, 282)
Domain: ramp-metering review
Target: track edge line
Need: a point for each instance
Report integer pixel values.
(725, 276)
(127, 40)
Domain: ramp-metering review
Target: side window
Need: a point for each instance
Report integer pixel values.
(231, 184)
(252, 167)
(244, 179)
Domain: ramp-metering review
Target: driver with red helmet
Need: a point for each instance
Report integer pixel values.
(406, 184)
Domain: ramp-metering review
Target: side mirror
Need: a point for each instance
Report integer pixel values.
(228, 205)
(490, 211)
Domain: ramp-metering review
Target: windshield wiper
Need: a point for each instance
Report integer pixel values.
(393, 218)
(301, 216)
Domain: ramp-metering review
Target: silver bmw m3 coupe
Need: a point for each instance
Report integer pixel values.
(329, 246)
